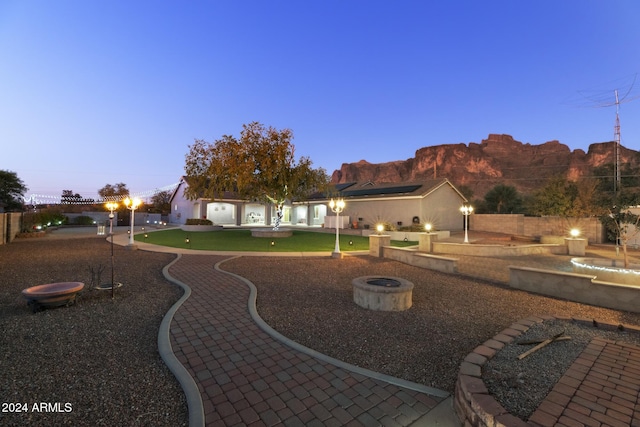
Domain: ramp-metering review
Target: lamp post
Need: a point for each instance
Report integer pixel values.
(132, 205)
(111, 206)
(466, 211)
(337, 207)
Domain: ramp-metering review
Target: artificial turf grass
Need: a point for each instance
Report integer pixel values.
(241, 240)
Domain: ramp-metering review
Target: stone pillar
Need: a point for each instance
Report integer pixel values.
(575, 246)
(426, 240)
(377, 242)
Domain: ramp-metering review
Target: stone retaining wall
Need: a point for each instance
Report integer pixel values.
(581, 288)
(419, 259)
(497, 250)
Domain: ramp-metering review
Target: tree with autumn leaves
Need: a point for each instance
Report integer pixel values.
(260, 165)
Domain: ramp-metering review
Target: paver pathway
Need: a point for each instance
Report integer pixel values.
(600, 389)
(247, 377)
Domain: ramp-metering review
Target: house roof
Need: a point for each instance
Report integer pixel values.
(184, 181)
(368, 189)
(364, 190)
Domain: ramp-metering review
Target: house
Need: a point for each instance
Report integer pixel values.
(435, 201)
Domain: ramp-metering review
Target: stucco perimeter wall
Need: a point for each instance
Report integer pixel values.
(9, 226)
(419, 259)
(581, 288)
(520, 225)
(3, 229)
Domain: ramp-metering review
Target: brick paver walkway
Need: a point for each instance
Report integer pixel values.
(246, 377)
(600, 389)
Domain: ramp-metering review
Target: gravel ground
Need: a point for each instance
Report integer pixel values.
(101, 357)
(521, 385)
(95, 363)
(310, 300)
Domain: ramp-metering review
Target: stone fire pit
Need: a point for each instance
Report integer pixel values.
(382, 293)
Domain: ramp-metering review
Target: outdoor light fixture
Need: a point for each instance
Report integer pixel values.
(428, 227)
(112, 206)
(337, 207)
(380, 228)
(466, 211)
(132, 205)
(574, 232)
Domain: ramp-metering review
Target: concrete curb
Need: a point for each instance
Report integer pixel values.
(188, 384)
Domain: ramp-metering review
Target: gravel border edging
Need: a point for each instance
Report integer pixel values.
(251, 305)
(188, 384)
(472, 402)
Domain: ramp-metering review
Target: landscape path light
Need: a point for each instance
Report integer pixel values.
(132, 205)
(337, 206)
(466, 211)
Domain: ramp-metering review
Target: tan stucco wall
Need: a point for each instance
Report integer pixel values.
(441, 208)
(520, 225)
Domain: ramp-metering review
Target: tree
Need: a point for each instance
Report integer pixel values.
(161, 202)
(624, 224)
(260, 165)
(69, 197)
(503, 199)
(118, 191)
(11, 190)
(552, 199)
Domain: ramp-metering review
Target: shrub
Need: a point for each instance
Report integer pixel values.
(83, 220)
(198, 221)
(413, 227)
(33, 221)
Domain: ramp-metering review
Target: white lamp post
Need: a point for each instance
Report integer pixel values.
(337, 207)
(132, 205)
(466, 211)
(111, 206)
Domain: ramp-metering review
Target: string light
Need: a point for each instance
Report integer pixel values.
(605, 269)
(42, 199)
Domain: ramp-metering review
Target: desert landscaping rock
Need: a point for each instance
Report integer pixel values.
(94, 363)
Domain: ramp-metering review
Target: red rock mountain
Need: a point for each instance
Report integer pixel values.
(499, 159)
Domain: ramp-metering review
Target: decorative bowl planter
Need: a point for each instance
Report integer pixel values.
(52, 294)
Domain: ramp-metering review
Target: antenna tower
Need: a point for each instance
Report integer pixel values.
(602, 98)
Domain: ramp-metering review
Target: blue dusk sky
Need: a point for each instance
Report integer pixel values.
(95, 92)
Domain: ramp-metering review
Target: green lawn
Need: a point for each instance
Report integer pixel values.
(241, 240)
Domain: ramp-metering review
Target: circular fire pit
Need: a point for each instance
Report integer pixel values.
(382, 293)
